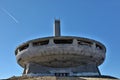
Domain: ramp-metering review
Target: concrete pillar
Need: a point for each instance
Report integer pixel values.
(75, 42)
(51, 42)
(93, 45)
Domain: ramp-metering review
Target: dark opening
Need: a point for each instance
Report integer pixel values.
(81, 42)
(83, 63)
(23, 47)
(63, 41)
(16, 52)
(102, 59)
(99, 47)
(61, 74)
(38, 43)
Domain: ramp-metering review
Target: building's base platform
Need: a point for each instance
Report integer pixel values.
(33, 69)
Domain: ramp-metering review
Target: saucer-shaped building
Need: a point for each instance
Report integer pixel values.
(61, 55)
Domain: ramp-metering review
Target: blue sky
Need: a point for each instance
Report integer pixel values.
(23, 20)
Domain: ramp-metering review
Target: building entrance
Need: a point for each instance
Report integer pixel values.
(61, 74)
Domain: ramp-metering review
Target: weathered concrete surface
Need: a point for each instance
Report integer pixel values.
(61, 52)
(83, 70)
(62, 55)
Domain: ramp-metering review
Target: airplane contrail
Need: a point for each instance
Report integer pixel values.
(10, 15)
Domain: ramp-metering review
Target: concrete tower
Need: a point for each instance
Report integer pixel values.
(61, 55)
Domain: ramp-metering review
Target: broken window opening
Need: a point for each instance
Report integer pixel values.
(39, 43)
(63, 41)
(23, 47)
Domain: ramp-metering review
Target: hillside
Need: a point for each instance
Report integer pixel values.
(62, 78)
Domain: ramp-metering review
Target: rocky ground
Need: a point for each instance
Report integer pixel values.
(62, 78)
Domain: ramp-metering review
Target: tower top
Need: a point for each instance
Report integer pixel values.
(57, 32)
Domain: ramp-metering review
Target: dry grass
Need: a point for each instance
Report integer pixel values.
(60, 78)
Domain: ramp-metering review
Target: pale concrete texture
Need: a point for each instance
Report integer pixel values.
(61, 55)
(52, 52)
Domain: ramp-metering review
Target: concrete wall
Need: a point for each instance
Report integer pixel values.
(83, 70)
